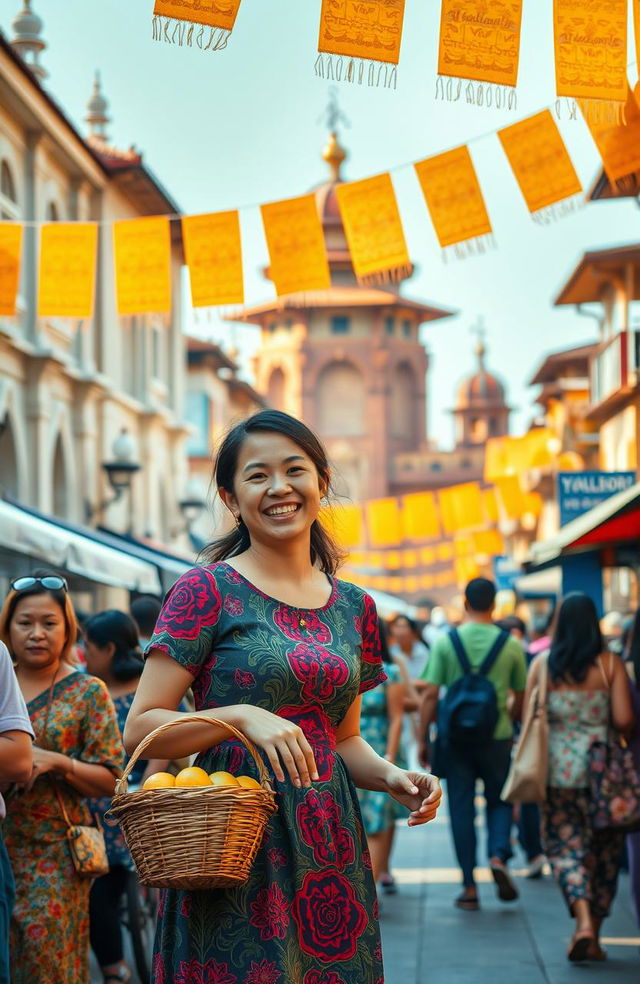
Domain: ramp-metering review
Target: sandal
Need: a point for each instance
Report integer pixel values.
(468, 903)
(388, 885)
(581, 946)
(507, 891)
(596, 952)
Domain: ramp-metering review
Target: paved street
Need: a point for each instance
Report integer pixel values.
(428, 941)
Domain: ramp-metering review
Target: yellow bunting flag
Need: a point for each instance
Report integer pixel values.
(384, 522)
(488, 543)
(591, 50)
(296, 245)
(480, 42)
(490, 505)
(619, 144)
(355, 35)
(461, 507)
(540, 161)
(374, 231)
(420, 516)
(344, 523)
(10, 253)
(511, 497)
(67, 270)
(142, 252)
(428, 556)
(454, 198)
(445, 551)
(204, 24)
(466, 570)
(393, 560)
(213, 251)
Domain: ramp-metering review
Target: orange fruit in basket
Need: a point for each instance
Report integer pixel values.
(223, 779)
(159, 780)
(193, 775)
(248, 782)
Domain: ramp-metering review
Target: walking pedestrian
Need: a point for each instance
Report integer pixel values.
(113, 655)
(281, 649)
(633, 840)
(144, 611)
(478, 648)
(381, 717)
(78, 754)
(586, 690)
(410, 653)
(16, 761)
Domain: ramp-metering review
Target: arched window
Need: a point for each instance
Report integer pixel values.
(340, 401)
(52, 212)
(60, 485)
(276, 389)
(9, 459)
(8, 195)
(403, 402)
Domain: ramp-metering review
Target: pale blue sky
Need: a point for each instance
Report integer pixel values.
(243, 126)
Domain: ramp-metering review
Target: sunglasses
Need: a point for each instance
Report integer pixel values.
(52, 582)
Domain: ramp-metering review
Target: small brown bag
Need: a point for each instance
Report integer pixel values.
(86, 845)
(527, 779)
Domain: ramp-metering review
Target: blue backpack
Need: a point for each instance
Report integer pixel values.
(468, 714)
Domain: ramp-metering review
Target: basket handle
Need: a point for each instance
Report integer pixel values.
(195, 719)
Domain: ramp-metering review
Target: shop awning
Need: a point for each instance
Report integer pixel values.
(61, 545)
(613, 523)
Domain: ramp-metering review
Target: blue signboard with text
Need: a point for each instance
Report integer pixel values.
(578, 492)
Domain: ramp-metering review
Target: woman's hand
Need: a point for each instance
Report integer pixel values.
(45, 761)
(283, 741)
(418, 791)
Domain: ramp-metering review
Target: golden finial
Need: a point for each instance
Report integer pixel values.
(333, 152)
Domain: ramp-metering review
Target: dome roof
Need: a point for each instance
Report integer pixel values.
(482, 389)
(27, 26)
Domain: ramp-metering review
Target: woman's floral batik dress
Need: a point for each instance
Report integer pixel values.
(308, 914)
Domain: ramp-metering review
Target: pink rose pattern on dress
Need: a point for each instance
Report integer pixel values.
(319, 671)
(320, 823)
(309, 903)
(329, 918)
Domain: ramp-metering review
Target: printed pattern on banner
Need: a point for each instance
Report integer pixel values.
(142, 256)
(10, 254)
(539, 160)
(373, 227)
(213, 13)
(213, 251)
(619, 144)
(67, 269)
(295, 240)
(480, 40)
(453, 195)
(591, 49)
(371, 30)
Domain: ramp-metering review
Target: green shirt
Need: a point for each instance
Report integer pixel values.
(509, 672)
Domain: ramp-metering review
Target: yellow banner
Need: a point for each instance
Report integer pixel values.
(420, 516)
(393, 560)
(67, 269)
(461, 507)
(453, 195)
(344, 524)
(296, 245)
(490, 505)
(142, 255)
(213, 13)
(540, 161)
(445, 551)
(374, 231)
(213, 251)
(466, 570)
(488, 543)
(10, 254)
(511, 497)
(619, 144)
(591, 49)
(480, 40)
(371, 30)
(428, 556)
(384, 522)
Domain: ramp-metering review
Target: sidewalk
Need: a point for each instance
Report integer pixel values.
(428, 941)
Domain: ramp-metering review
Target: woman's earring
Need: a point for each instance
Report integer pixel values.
(238, 522)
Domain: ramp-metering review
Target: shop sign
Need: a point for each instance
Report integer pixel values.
(578, 492)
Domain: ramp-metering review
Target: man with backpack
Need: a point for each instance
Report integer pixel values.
(480, 665)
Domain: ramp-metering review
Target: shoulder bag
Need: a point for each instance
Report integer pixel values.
(614, 781)
(527, 778)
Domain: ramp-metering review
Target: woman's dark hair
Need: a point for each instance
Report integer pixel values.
(577, 640)
(413, 625)
(120, 629)
(324, 551)
(384, 642)
(633, 652)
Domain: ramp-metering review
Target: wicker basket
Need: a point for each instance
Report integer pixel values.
(193, 837)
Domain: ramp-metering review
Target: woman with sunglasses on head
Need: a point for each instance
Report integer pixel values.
(274, 644)
(77, 754)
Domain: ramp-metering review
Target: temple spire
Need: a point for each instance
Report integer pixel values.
(96, 117)
(26, 40)
(333, 152)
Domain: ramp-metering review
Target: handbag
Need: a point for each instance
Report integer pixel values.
(87, 845)
(614, 782)
(527, 778)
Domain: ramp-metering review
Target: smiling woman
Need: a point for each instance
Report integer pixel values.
(265, 634)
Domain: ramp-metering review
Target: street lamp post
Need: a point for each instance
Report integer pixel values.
(120, 472)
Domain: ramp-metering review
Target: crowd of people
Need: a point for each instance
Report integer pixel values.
(355, 720)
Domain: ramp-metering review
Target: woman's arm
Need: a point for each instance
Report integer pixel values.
(395, 694)
(162, 686)
(15, 756)
(420, 793)
(86, 778)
